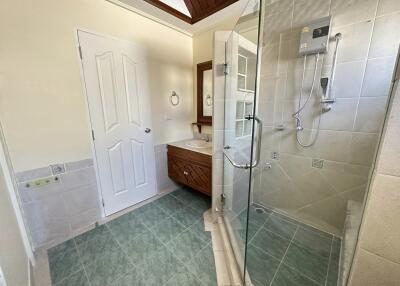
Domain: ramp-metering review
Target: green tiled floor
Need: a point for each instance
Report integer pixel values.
(161, 243)
(284, 252)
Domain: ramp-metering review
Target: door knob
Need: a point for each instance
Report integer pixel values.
(185, 173)
(147, 130)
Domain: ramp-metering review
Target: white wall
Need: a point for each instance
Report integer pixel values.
(203, 51)
(42, 106)
(13, 259)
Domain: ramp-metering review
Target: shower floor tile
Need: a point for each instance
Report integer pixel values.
(161, 243)
(285, 252)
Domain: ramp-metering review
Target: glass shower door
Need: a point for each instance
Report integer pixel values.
(242, 130)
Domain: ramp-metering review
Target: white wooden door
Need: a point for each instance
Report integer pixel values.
(115, 74)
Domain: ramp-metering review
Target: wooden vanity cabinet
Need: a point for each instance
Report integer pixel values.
(190, 168)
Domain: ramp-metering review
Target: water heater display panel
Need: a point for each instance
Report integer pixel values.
(315, 37)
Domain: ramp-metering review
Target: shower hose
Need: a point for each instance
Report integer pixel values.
(301, 107)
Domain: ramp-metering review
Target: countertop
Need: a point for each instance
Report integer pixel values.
(182, 144)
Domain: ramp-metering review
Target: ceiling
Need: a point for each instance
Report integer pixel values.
(199, 20)
(191, 11)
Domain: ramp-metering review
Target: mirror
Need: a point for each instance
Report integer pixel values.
(204, 93)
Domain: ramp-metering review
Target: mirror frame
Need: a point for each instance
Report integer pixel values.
(201, 67)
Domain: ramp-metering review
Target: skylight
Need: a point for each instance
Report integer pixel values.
(178, 5)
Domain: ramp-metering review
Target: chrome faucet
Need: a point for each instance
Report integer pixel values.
(205, 137)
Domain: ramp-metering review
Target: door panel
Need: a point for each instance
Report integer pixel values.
(131, 90)
(138, 158)
(115, 74)
(106, 74)
(117, 168)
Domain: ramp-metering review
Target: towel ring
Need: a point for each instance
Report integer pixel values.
(174, 99)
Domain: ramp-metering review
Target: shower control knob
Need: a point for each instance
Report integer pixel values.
(147, 130)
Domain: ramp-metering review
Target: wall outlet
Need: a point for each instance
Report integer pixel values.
(317, 163)
(43, 182)
(57, 169)
(275, 155)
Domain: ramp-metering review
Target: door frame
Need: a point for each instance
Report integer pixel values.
(89, 117)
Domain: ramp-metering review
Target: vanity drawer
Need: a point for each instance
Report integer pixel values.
(190, 168)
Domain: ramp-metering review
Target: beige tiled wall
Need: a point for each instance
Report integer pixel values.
(349, 132)
(377, 260)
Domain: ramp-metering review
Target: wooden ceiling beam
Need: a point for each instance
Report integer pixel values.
(198, 9)
(207, 12)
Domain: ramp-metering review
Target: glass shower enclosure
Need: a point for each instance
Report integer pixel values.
(302, 123)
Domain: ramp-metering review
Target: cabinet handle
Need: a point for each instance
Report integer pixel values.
(185, 173)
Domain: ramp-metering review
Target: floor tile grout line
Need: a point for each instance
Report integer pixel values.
(302, 274)
(153, 233)
(66, 277)
(273, 232)
(170, 250)
(329, 263)
(148, 228)
(303, 225)
(259, 229)
(186, 265)
(269, 254)
(284, 256)
(81, 262)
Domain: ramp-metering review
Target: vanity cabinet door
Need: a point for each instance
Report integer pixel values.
(190, 168)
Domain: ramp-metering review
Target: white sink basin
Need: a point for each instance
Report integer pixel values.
(200, 144)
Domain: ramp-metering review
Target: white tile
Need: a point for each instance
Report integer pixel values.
(277, 7)
(295, 166)
(342, 181)
(388, 6)
(327, 213)
(362, 149)
(343, 87)
(341, 116)
(44, 213)
(354, 44)
(277, 27)
(347, 12)
(386, 36)
(372, 270)
(50, 235)
(33, 174)
(370, 114)
(71, 166)
(305, 11)
(77, 178)
(81, 199)
(381, 218)
(390, 152)
(357, 194)
(84, 220)
(378, 77)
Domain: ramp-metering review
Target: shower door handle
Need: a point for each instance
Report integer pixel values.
(258, 147)
(259, 137)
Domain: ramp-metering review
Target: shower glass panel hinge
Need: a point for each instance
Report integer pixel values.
(227, 68)
(223, 198)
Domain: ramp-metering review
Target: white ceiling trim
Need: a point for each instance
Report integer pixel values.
(151, 12)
